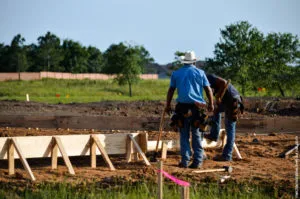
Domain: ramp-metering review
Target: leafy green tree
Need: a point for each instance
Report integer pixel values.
(131, 69)
(49, 53)
(114, 58)
(239, 52)
(126, 62)
(32, 57)
(95, 60)
(4, 53)
(145, 56)
(213, 67)
(17, 55)
(75, 57)
(282, 53)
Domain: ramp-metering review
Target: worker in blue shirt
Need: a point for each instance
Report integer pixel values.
(189, 82)
(228, 100)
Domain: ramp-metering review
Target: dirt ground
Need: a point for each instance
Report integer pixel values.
(254, 106)
(261, 162)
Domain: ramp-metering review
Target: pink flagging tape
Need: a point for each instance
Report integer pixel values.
(176, 180)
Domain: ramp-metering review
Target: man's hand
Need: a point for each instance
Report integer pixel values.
(218, 101)
(168, 109)
(210, 107)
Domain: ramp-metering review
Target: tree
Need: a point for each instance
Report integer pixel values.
(32, 57)
(95, 60)
(4, 58)
(131, 69)
(145, 56)
(49, 52)
(75, 57)
(239, 52)
(213, 67)
(17, 55)
(114, 58)
(282, 54)
(126, 62)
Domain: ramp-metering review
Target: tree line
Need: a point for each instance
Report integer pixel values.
(52, 54)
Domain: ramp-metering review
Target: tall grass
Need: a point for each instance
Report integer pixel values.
(142, 190)
(68, 91)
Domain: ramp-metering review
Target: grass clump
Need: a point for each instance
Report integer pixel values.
(144, 190)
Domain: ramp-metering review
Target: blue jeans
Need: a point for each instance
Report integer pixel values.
(185, 149)
(230, 131)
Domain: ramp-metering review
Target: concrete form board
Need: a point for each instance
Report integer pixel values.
(75, 145)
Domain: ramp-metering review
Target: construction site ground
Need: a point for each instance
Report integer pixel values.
(261, 163)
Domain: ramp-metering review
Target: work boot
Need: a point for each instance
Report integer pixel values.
(181, 165)
(220, 158)
(195, 165)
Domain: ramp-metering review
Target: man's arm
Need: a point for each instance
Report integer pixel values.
(169, 99)
(221, 84)
(209, 95)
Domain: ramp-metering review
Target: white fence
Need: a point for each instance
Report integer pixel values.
(58, 75)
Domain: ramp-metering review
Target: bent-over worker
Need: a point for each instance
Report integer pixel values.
(231, 104)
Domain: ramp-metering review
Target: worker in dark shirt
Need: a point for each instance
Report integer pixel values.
(228, 100)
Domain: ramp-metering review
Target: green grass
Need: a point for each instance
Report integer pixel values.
(46, 90)
(143, 190)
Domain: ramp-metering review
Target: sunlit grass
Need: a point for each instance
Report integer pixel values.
(68, 91)
(145, 190)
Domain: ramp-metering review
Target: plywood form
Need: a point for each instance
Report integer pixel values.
(74, 145)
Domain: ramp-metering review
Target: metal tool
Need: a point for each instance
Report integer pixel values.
(224, 169)
(154, 157)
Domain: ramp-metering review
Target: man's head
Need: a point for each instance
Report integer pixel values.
(189, 58)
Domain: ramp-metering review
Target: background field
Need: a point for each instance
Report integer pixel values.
(69, 91)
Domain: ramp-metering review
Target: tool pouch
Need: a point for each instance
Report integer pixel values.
(181, 111)
(198, 117)
(237, 108)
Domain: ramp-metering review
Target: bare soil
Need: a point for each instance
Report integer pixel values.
(261, 162)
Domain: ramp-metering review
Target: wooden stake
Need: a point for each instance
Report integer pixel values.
(103, 152)
(139, 150)
(136, 156)
(237, 151)
(160, 180)
(143, 141)
(11, 158)
(129, 149)
(164, 150)
(223, 137)
(27, 97)
(93, 153)
(64, 155)
(23, 159)
(54, 155)
(161, 124)
(185, 192)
